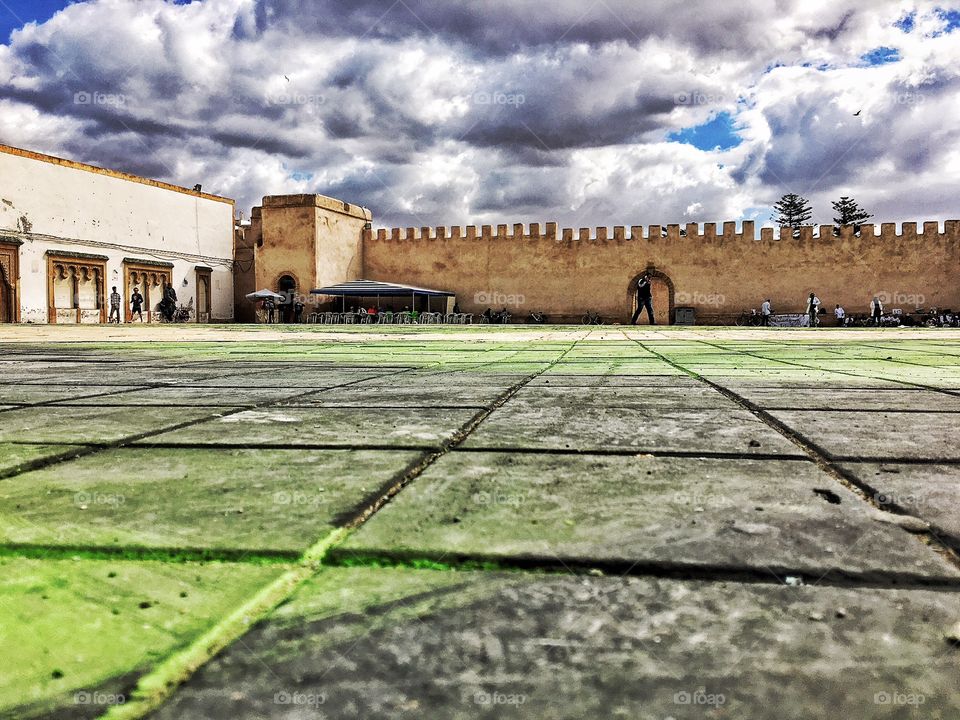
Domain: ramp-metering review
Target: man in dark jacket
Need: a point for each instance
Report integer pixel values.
(169, 305)
(644, 299)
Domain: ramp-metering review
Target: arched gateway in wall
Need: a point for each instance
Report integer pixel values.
(663, 297)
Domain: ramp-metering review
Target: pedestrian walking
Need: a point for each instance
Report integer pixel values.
(168, 305)
(644, 299)
(766, 310)
(271, 307)
(136, 304)
(840, 314)
(876, 310)
(813, 310)
(115, 301)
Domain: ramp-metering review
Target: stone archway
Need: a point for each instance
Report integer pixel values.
(663, 297)
(287, 286)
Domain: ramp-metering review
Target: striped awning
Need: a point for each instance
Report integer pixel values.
(375, 288)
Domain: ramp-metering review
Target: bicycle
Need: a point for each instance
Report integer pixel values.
(181, 314)
(750, 318)
(591, 318)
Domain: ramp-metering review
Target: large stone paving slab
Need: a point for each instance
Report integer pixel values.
(193, 396)
(291, 378)
(48, 424)
(589, 428)
(245, 500)
(76, 633)
(638, 368)
(879, 434)
(456, 378)
(28, 394)
(749, 380)
(341, 427)
(928, 491)
(358, 643)
(685, 397)
(851, 399)
(618, 381)
(763, 516)
(14, 456)
(405, 394)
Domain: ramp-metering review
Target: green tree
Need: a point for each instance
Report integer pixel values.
(849, 212)
(792, 211)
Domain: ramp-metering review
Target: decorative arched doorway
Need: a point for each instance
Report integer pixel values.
(203, 293)
(9, 274)
(7, 312)
(663, 297)
(147, 277)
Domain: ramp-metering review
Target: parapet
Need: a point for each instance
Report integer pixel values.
(708, 232)
(320, 201)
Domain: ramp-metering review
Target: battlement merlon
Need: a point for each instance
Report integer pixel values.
(708, 232)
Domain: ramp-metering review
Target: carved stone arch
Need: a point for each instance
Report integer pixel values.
(7, 295)
(658, 276)
(148, 277)
(9, 281)
(76, 268)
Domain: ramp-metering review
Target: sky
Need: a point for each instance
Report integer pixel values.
(611, 112)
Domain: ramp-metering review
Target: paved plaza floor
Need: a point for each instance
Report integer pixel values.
(479, 522)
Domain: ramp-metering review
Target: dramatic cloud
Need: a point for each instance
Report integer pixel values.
(433, 113)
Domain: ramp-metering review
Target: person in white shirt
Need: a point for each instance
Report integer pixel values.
(765, 312)
(813, 310)
(840, 314)
(876, 310)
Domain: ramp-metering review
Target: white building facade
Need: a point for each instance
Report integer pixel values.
(70, 232)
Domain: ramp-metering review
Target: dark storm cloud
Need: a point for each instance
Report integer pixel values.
(499, 27)
(551, 126)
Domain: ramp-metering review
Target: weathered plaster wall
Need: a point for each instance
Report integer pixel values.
(244, 268)
(720, 273)
(316, 239)
(289, 246)
(58, 205)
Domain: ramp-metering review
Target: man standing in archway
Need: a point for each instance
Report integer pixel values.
(644, 299)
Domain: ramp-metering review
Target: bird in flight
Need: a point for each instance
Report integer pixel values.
(857, 113)
(288, 80)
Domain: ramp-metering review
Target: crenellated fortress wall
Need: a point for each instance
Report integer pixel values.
(728, 231)
(718, 269)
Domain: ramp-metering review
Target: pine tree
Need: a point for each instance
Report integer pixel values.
(850, 213)
(792, 210)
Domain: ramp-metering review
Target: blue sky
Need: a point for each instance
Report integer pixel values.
(432, 112)
(15, 13)
(716, 133)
